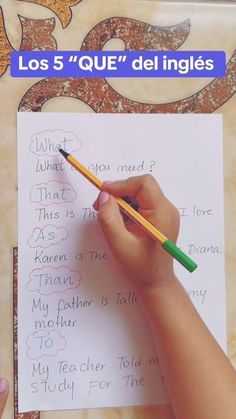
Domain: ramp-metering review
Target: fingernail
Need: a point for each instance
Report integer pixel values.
(3, 385)
(95, 204)
(103, 198)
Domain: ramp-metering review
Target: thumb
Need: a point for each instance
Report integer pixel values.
(4, 389)
(112, 224)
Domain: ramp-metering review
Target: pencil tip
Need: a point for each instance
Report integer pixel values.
(63, 152)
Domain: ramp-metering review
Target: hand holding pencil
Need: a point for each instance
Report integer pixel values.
(144, 259)
(155, 212)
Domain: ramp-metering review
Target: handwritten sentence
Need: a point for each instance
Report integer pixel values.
(46, 165)
(96, 371)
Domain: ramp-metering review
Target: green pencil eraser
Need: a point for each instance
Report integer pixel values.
(177, 253)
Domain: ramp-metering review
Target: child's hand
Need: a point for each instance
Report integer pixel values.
(143, 259)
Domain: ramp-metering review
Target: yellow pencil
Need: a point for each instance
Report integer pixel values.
(168, 245)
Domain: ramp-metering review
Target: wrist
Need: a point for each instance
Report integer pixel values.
(162, 297)
(160, 283)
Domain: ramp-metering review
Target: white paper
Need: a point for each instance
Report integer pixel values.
(83, 339)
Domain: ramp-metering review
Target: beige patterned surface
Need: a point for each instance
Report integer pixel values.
(212, 27)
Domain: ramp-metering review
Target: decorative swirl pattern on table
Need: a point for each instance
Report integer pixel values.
(5, 46)
(101, 97)
(61, 8)
(136, 35)
(37, 34)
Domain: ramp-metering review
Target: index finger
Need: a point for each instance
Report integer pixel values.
(144, 189)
